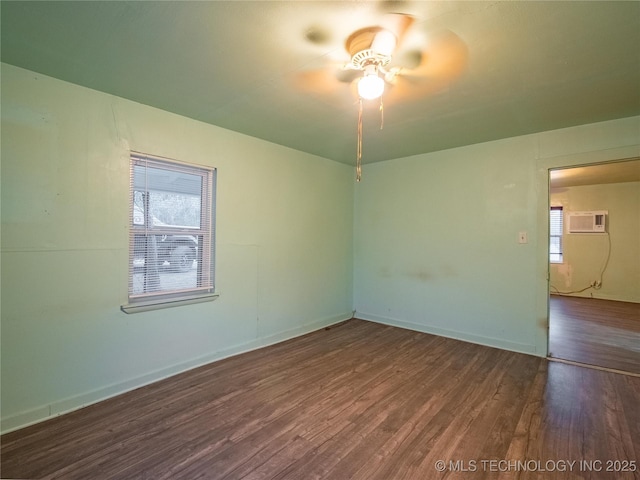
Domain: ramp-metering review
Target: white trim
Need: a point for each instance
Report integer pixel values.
(543, 267)
(76, 402)
(593, 367)
(161, 303)
(456, 335)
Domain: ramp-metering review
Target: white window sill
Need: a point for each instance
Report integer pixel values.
(159, 304)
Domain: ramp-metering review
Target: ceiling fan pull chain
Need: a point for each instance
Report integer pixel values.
(359, 149)
(381, 114)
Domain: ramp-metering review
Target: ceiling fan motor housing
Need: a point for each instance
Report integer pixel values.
(367, 57)
(370, 46)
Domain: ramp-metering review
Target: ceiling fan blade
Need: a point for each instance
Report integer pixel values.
(404, 89)
(318, 35)
(347, 75)
(444, 60)
(398, 24)
(331, 85)
(384, 42)
(384, 38)
(320, 81)
(445, 57)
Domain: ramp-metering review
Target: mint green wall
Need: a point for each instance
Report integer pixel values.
(284, 246)
(436, 235)
(431, 244)
(586, 254)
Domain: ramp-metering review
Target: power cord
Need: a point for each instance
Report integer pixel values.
(597, 284)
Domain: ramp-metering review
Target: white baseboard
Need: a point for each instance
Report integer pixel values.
(599, 296)
(45, 412)
(443, 332)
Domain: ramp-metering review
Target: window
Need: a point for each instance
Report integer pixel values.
(171, 233)
(555, 235)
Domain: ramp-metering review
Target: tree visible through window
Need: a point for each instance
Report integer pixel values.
(171, 240)
(555, 235)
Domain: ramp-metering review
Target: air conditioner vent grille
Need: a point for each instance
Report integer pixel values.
(587, 222)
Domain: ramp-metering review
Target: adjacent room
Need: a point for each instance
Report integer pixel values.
(282, 239)
(593, 317)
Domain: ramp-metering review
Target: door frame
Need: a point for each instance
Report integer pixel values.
(544, 166)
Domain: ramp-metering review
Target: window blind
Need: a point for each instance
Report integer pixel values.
(172, 229)
(555, 234)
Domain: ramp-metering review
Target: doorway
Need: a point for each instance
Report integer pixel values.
(594, 267)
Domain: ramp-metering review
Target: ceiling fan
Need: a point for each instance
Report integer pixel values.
(371, 50)
(380, 63)
(380, 67)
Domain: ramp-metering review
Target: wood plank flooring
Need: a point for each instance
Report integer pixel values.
(596, 332)
(356, 401)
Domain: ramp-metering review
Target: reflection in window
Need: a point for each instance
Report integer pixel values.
(171, 241)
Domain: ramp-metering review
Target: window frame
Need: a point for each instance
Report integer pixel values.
(560, 236)
(204, 234)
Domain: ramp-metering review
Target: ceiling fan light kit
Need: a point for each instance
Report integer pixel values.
(370, 49)
(414, 73)
(370, 86)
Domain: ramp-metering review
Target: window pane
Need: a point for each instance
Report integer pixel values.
(164, 262)
(172, 235)
(555, 222)
(555, 235)
(175, 209)
(174, 198)
(555, 258)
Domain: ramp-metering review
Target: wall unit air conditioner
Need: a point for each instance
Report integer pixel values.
(587, 222)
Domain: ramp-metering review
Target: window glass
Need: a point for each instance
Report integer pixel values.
(555, 234)
(171, 241)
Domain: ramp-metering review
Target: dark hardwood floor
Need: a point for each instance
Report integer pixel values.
(356, 401)
(597, 332)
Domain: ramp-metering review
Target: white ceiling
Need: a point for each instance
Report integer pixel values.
(613, 172)
(532, 66)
